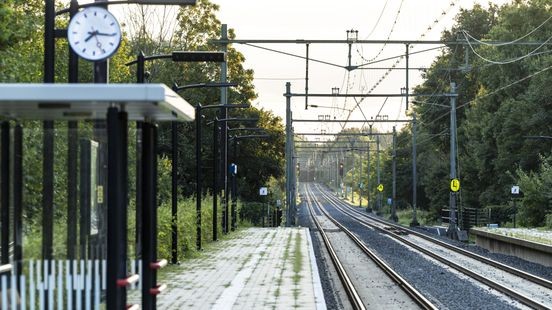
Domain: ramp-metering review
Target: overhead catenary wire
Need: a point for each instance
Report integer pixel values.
(504, 62)
(494, 92)
(378, 20)
(388, 36)
(293, 55)
(400, 58)
(510, 42)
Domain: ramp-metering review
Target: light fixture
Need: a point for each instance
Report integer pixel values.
(352, 35)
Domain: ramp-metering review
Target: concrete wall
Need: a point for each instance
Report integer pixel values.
(527, 250)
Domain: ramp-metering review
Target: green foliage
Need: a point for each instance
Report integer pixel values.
(21, 60)
(548, 221)
(496, 111)
(500, 214)
(18, 19)
(537, 198)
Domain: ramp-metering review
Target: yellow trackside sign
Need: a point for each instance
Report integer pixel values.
(454, 185)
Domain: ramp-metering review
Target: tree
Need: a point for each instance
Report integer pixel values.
(496, 107)
(537, 199)
(195, 26)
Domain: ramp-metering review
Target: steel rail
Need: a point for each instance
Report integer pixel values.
(352, 293)
(520, 273)
(405, 286)
(495, 285)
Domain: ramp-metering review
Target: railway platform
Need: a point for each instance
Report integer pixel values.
(261, 268)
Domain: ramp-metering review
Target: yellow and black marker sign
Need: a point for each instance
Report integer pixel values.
(380, 187)
(454, 185)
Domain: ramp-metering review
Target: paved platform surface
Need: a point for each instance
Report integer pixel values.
(262, 268)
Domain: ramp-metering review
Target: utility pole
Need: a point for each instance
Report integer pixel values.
(394, 217)
(223, 114)
(378, 172)
(288, 153)
(369, 204)
(360, 183)
(414, 176)
(353, 177)
(452, 231)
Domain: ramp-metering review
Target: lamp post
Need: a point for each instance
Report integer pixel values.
(176, 56)
(199, 109)
(216, 129)
(234, 183)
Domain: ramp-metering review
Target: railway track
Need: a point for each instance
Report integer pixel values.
(530, 290)
(354, 296)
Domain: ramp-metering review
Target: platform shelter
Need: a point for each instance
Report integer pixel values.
(116, 104)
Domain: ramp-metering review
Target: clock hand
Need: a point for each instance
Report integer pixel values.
(91, 34)
(105, 34)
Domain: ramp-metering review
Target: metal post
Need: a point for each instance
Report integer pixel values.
(452, 230)
(289, 140)
(394, 164)
(149, 221)
(174, 193)
(72, 154)
(18, 200)
(48, 191)
(49, 40)
(73, 68)
(198, 176)
(85, 196)
(223, 114)
(140, 78)
(368, 183)
(72, 168)
(215, 182)
(360, 183)
(407, 56)
(5, 192)
(307, 77)
(353, 177)
(293, 182)
(414, 175)
(117, 208)
(234, 189)
(48, 137)
(226, 194)
(378, 173)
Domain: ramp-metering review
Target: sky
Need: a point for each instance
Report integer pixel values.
(310, 19)
(315, 19)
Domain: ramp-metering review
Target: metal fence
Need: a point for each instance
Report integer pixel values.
(62, 284)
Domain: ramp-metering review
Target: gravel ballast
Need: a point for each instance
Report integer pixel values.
(445, 288)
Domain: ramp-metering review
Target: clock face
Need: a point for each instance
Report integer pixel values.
(94, 34)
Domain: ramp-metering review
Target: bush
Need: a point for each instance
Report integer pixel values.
(537, 196)
(549, 221)
(499, 214)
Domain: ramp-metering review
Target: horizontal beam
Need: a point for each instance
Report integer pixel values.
(351, 121)
(145, 2)
(410, 42)
(367, 95)
(333, 148)
(343, 134)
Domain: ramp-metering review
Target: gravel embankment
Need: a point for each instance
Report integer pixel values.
(516, 262)
(446, 289)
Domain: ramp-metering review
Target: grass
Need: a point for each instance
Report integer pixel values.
(297, 266)
(521, 235)
(297, 259)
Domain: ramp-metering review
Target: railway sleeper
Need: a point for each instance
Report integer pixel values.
(396, 230)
